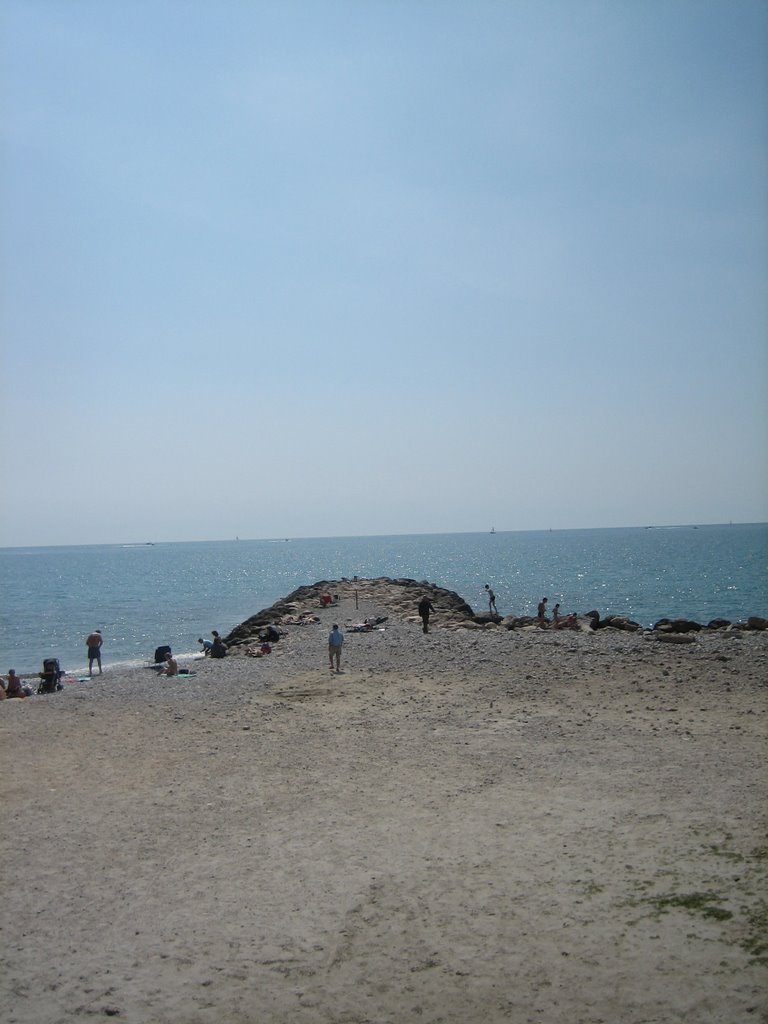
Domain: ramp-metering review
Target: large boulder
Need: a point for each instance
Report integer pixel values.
(620, 622)
(677, 626)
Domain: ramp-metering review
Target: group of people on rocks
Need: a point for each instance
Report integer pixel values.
(268, 636)
(557, 621)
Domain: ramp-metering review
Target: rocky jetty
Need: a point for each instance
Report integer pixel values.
(662, 629)
(397, 597)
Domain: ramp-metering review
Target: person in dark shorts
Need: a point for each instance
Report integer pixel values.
(93, 642)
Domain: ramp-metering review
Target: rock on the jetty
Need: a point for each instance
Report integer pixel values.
(612, 622)
(620, 622)
(683, 626)
(677, 626)
(398, 597)
(518, 621)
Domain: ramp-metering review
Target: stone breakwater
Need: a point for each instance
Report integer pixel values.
(399, 598)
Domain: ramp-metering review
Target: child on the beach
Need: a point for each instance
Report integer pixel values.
(14, 687)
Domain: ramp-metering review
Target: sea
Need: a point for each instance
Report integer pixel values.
(142, 596)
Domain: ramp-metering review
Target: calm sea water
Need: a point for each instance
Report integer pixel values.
(141, 596)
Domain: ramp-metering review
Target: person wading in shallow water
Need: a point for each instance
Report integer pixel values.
(425, 607)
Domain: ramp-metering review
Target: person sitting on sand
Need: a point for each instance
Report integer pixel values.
(335, 641)
(14, 687)
(218, 647)
(171, 666)
(271, 634)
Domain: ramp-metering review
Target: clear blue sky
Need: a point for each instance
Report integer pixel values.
(381, 266)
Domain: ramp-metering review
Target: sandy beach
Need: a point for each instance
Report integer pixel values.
(486, 825)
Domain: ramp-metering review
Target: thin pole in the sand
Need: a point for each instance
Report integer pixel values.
(356, 605)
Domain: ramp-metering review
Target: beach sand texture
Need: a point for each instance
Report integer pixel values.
(487, 826)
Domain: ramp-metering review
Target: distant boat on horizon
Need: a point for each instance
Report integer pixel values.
(493, 529)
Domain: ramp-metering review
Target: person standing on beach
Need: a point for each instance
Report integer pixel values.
(491, 600)
(335, 641)
(93, 643)
(425, 607)
(542, 611)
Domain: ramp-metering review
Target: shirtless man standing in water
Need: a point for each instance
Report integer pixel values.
(94, 642)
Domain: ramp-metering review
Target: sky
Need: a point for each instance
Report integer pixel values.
(292, 268)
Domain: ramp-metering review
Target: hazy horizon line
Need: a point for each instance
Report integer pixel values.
(373, 536)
